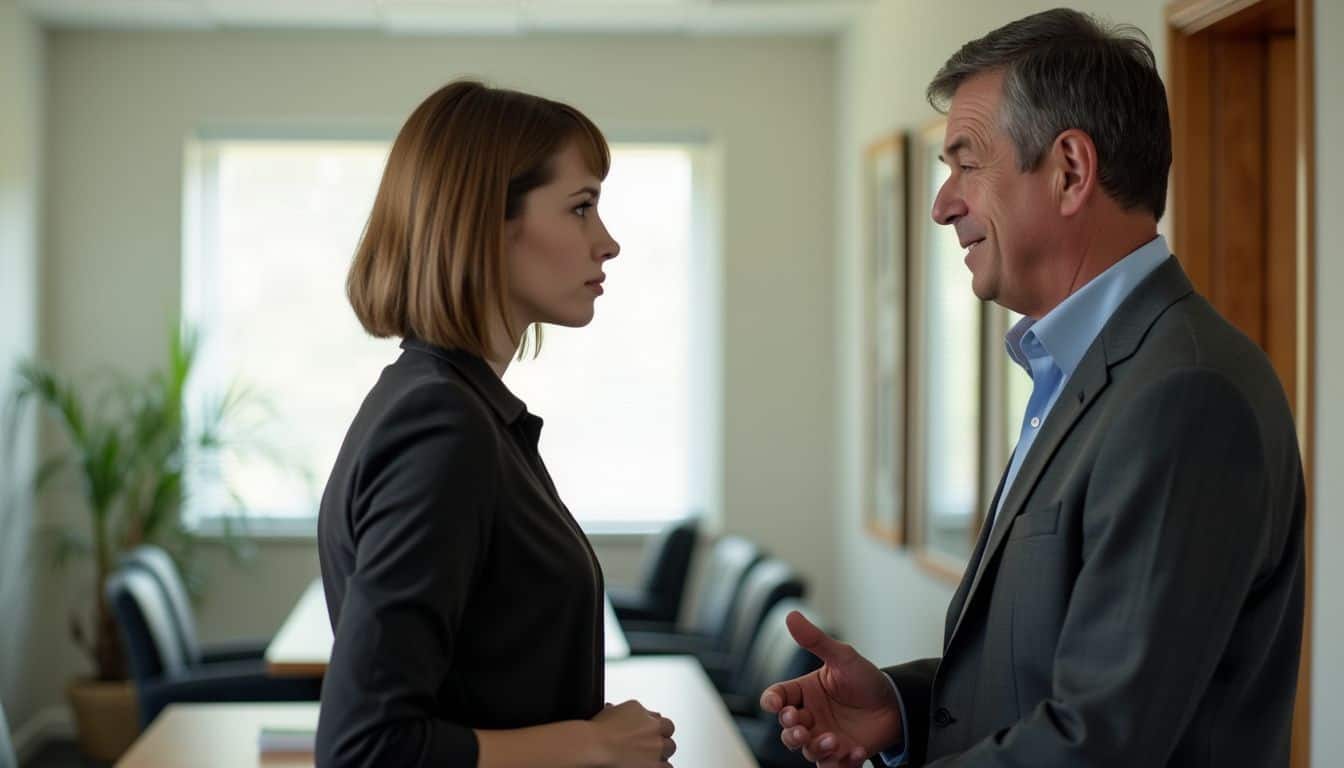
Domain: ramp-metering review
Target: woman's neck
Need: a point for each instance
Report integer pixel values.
(502, 347)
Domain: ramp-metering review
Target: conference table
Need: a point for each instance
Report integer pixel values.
(302, 647)
(227, 735)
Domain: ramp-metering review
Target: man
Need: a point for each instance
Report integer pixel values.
(1135, 597)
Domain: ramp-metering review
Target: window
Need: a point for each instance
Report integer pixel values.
(270, 229)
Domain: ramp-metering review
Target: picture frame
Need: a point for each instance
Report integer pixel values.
(884, 353)
(947, 466)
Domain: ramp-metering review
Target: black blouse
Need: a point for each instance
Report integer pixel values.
(462, 593)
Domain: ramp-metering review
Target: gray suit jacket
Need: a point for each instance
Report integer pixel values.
(1140, 601)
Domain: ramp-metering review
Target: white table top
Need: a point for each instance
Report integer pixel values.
(225, 735)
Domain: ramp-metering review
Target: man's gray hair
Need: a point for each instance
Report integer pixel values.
(1065, 70)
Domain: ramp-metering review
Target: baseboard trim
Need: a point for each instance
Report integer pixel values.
(47, 725)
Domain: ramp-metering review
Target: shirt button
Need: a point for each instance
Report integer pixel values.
(942, 718)
(1035, 422)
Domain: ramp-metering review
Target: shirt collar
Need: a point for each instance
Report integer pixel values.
(478, 374)
(1065, 332)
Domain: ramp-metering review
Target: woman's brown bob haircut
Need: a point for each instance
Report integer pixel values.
(431, 262)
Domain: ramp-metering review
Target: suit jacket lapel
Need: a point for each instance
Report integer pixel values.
(1117, 342)
(958, 604)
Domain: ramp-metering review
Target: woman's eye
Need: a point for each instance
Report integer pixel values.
(582, 209)
(967, 168)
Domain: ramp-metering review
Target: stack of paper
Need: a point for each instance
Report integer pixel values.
(276, 742)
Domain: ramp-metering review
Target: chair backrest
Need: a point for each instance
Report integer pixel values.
(147, 626)
(730, 559)
(7, 757)
(161, 566)
(668, 564)
(767, 583)
(774, 656)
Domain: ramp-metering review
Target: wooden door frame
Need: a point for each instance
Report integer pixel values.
(1192, 179)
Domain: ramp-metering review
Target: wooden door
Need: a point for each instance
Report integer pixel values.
(1241, 105)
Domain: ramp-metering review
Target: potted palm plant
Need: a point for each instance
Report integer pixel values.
(128, 451)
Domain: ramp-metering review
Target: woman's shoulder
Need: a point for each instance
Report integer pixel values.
(426, 390)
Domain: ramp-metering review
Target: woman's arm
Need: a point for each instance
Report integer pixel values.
(624, 736)
(418, 502)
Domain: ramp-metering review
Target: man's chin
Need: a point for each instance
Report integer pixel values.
(984, 290)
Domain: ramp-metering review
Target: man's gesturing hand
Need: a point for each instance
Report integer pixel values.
(840, 714)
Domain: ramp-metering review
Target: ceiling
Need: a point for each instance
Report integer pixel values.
(463, 17)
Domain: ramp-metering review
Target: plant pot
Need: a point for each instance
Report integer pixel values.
(107, 719)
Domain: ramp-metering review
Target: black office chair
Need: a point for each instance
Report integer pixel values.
(160, 565)
(766, 584)
(7, 757)
(729, 560)
(159, 667)
(774, 657)
(667, 563)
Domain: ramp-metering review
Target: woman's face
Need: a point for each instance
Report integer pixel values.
(556, 247)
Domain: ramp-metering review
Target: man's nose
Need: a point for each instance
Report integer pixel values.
(948, 206)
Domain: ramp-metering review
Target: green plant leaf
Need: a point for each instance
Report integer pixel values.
(49, 470)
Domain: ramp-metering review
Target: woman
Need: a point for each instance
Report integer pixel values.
(466, 602)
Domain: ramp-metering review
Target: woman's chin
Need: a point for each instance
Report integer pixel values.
(576, 318)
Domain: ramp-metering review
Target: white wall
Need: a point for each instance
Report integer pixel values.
(21, 94)
(121, 105)
(1327, 685)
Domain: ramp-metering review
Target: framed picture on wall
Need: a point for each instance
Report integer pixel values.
(884, 285)
(945, 495)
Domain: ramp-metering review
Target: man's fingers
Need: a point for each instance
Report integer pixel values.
(807, 635)
(823, 746)
(794, 738)
(781, 695)
(854, 759)
(791, 716)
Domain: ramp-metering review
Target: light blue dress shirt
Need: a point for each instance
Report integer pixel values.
(1050, 349)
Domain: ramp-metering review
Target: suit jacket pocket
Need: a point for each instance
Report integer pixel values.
(1036, 522)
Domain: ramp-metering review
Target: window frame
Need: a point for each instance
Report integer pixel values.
(200, 186)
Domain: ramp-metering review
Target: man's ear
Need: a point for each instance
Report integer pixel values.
(1074, 157)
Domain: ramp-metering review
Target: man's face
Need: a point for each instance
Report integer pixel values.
(1004, 217)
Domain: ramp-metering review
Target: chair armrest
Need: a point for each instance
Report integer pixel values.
(661, 627)
(223, 682)
(646, 643)
(636, 605)
(234, 650)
